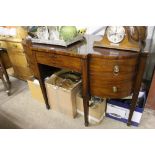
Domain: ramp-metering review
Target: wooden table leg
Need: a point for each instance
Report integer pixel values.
(85, 90)
(137, 85)
(38, 72)
(42, 85)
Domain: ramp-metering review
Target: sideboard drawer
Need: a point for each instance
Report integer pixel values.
(108, 65)
(111, 90)
(99, 77)
(110, 75)
(58, 60)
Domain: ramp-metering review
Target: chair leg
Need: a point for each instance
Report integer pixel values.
(6, 86)
(5, 74)
(7, 78)
(7, 83)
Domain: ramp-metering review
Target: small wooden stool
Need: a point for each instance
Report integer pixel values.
(3, 73)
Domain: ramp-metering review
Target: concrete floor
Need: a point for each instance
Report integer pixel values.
(21, 111)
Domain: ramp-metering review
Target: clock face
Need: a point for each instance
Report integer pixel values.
(115, 34)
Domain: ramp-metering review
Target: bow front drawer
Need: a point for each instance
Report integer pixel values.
(111, 89)
(112, 77)
(60, 61)
(113, 65)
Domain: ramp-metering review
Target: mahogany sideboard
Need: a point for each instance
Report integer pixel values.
(106, 73)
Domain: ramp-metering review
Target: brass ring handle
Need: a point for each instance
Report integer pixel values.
(116, 70)
(115, 90)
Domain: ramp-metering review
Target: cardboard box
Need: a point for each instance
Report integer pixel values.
(60, 99)
(35, 89)
(96, 113)
(119, 110)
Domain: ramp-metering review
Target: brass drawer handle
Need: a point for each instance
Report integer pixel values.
(116, 70)
(115, 90)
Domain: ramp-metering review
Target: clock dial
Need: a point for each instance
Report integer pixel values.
(115, 34)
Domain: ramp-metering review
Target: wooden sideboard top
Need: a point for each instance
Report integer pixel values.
(83, 49)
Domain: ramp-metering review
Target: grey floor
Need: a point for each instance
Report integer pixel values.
(20, 111)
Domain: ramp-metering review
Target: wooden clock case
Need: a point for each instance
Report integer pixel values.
(126, 44)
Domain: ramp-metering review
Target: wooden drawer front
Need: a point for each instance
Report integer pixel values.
(111, 90)
(98, 77)
(112, 70)
(3, 44)
(104, 76)
(15, 46)
(18, 59)
(59, 61)
(107, 65)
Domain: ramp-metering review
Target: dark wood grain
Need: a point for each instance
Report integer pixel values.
(137, 84)
(37, 72)
(59, 60)
(85, 91)
(106, 90)
(40, 57)
(107, 73)
(103, 78)
(105, 65)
